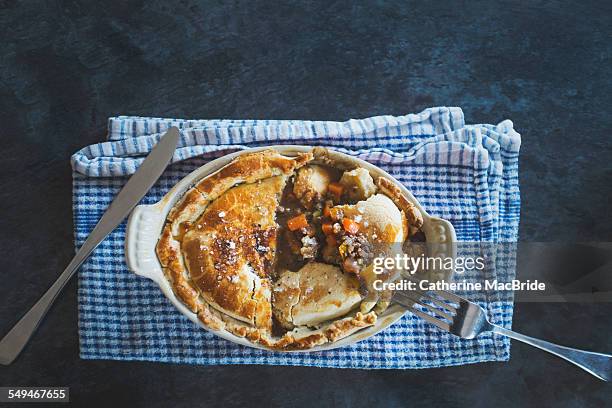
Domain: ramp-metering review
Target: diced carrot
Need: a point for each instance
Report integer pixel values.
(327, 228)
(335, 189)
(350, 226)
(331, 240)
(326, 211)
(297, 223)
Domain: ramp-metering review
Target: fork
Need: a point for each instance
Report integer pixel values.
(467, 320)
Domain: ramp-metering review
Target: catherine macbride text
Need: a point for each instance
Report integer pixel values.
(492, 285)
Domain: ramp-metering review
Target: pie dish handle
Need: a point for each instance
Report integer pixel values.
(143, 228)
(441, 242)
(439, 231)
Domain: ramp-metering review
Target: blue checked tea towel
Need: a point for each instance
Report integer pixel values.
(467, 174)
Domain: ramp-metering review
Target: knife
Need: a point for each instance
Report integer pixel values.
(133, 191)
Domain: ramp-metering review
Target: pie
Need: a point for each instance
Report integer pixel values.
(279, 249)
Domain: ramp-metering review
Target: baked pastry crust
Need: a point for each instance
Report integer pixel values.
(229, 251)
(316, 293)
(311, 184)
(413, 215)
(247, 168)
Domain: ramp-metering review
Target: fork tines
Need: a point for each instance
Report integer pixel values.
(438, 308)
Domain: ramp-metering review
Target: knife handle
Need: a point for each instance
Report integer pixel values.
(16, 339)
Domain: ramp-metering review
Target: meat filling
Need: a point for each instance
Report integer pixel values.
(326, 218)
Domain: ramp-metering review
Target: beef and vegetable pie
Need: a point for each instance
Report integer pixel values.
(279, 249)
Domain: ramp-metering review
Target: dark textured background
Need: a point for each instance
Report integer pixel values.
(65, 66)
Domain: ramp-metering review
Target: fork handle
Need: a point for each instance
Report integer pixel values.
(598, 364)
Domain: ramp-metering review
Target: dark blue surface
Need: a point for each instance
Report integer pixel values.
(66, 66)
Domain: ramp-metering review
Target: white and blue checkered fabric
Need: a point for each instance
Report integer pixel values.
(467, 174)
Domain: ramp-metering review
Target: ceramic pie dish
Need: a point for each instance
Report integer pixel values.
(272, 247)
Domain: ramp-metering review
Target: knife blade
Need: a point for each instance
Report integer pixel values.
(134, 190)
